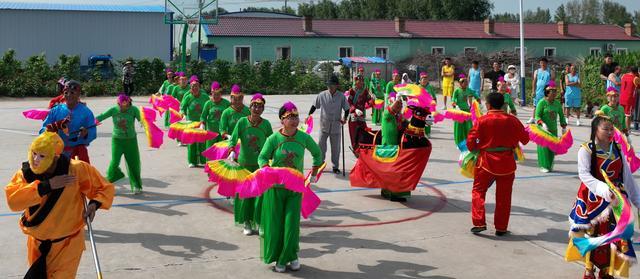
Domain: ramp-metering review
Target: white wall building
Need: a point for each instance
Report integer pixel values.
(84, 30)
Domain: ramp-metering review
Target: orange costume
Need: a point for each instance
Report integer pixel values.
(53, 218)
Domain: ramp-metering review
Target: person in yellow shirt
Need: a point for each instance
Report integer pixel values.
(447, 73)
(50, 189)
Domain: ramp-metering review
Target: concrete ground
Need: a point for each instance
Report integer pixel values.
(180, 227)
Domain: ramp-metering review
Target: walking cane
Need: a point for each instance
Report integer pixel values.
(343, 167)
(96, 261)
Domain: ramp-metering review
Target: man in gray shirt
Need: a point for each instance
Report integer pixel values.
(331, 101)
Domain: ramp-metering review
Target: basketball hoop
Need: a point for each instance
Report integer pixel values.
(193, 21)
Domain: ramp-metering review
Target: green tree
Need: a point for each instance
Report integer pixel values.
(506, 17)
(538, 16)
(614, 13)
(560, 14)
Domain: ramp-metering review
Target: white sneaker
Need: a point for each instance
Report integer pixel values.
(279, 268)
(247, 230)
(294, 265)
(544, 170)
(443, 108)
(577, 122)
(192, 166)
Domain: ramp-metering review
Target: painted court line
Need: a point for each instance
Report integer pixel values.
(324, 191)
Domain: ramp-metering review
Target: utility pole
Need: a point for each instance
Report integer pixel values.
(522, 69)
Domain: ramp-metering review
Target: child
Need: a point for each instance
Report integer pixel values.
(503, 88)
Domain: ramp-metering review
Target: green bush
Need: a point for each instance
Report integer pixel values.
(593, 88)
(34, 77)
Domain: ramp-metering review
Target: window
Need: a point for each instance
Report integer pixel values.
(283, 52)
(346, 52)
(518, 51)
(621, 51)
(470, 50)
(437, 50)
(243, 54)
(549, 51)
(382, 52)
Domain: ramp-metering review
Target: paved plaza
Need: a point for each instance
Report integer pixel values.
(181, 228)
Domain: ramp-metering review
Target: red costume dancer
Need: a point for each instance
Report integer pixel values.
(628, 92)
(357, 98)
(495, 136)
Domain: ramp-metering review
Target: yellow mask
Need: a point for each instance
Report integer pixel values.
(48, 144)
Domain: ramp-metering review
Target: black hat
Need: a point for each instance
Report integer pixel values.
(333, 80)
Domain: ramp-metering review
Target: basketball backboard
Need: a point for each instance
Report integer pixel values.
(191, 11)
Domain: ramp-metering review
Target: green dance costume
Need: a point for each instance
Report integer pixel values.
(376, 87)
(390, 133)
(548, 113)
(462, 99)
(192, 107)
(211, 117)
(252, 138)
(230, 117)
(280, 216)
(124, 142)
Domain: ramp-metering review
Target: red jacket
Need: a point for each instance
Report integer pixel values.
(499, 130)
(630, 83)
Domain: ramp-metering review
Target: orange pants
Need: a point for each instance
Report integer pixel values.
(481, 183)
(64, 257)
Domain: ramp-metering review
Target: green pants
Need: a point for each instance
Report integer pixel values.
(461, 130)
(244, 210)
(128, 148)
(194, 153)
(166, 119)
(376, 116)
(280, 226)
(545, 158)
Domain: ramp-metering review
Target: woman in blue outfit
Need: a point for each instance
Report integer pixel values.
(572, 93)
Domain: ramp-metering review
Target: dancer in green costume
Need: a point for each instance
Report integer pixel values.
(395, 80)
(391, 124)
(124, 141)
(252, 131)
(503, 88)
(166, 90)
(376, 88)
(166, 82)
(391, 120)
(548, 111)
(212, 112)
(191, 106)
(424, 83)
(462, 98)
(280, 212)
(233, 113)
(182, 89)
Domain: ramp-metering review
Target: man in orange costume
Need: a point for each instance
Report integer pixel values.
(495, 136)
(50, 189)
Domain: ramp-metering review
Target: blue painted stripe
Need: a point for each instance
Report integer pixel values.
(79, 7)
(201, 200)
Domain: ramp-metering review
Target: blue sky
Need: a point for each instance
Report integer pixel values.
(500, 6)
